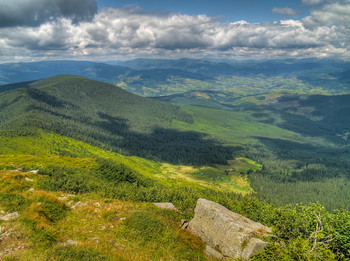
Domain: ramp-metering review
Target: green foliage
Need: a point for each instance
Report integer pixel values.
(109, 117)
(51, 209)
(298, 249)
(144, 226)
(115, 173)
(155, 230)
(70, 180)
(339, 224)
(12, 202)
(78, 253)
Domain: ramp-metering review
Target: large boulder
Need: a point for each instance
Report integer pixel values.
(227, 232)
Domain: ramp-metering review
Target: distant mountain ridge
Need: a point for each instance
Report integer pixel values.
(155, 77)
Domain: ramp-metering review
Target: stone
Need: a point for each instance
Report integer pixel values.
(31, 189)
(234, 235)
(254, 246)
(212, 253)
(28, 179)
(184, 223)
(10, 216)
(79, 204)
(35, 171)
(166, 205)
(71, 242)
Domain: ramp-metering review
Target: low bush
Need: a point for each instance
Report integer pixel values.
(12, 202)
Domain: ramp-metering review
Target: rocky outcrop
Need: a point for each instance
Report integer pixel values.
(229, 233)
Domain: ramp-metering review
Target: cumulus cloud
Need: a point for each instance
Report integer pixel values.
(120, 28)
(59, 35)
(285, 11)
(37, 12)
(330, 14)
(311, 2)
(335, 17)
(132, 32)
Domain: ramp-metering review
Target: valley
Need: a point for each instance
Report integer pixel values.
(82, 160)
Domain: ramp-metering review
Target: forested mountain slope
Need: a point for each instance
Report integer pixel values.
(302, 141)
(110, 117)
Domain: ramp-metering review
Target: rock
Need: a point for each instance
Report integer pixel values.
(184, 223)
(10, 216)
(31, 189)
(166, 205)
(232, 234)
(71, 243)
(35, 171)
(254, 246)
(28, 179)
(79, 204)
(212, 253)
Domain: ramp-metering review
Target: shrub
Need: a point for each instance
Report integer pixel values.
(13, 202)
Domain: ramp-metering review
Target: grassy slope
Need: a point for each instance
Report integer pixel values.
(104, 228)
(232, 127)
(100, 228)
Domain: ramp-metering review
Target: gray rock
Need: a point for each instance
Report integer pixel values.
(10, 216)
(234, 235)
(166, 205)
(212, 253)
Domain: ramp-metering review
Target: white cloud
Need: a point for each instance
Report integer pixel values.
(118, 33)
(285, 11)
(333, 14)
(335, 18)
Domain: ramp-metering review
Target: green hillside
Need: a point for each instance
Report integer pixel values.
(109, 117)
(95, 205)
(82, 161)
(301, 141)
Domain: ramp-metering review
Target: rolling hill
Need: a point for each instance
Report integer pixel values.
(110, 117)
(77, 199)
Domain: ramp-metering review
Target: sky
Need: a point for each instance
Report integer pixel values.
(106, 30)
